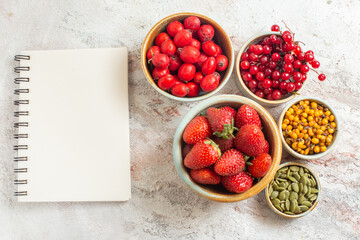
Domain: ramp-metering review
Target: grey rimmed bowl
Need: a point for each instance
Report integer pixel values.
(307, 211)
(335, 135)
(240, 81)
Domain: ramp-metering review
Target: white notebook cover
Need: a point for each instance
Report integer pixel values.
(78, 133)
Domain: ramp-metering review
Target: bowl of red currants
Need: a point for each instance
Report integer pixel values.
(272, 68)
(187, 57)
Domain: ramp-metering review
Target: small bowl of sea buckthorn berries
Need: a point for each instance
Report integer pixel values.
(309, 128)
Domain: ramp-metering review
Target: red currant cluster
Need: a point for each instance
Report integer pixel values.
(186, 59)
(276, 66)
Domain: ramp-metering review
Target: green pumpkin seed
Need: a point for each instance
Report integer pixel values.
(306, 170)
(296, 176)
(287, 204)
(275, 201)
(307, 203)
(287, 194)
(301, 198)
(281, 180)
(303, 208)
(309, 192)
(303, 180)
(293, 195)
(289, 213)
(286, 184)
(289, 187)
(314, 190)
(297, 210)
(278, 208)
(301, 171)
(294, 168)
(277, 175)
(282, 205)
(288, 173)
(295, 187)
(283, 175)
(280, 189)
(305, 189)
(282, 184)
(301, 187)
(293, 205)
(270, 190)
(282, 195)
(274, 194)
(313, 198)
(292, 179)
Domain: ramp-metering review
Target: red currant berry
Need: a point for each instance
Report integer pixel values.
(296, 64)
(253, 69)
(297, 76)
(273, 39)
(297, 50)
(309, 52)
(253, 84)
(275, 28)
(266, 42)
(285, 76)
(260, 86)
(245, 56)
(262, 67)
(276, 75)
(268, 72)
(288, 58)
(298, 85)
(276, 95)
(260, 76)
(275, 84)
(247, 76)
(269, 97)
(267, 49)
(275, 57)
(264, 60)
(260, 94)
(288, 67)
(315, 64)
(322, 77)
(258, 49)
(245, 64)
(303, 77)
(301, 56)
(272, 65)
(267, 83)
(290, 87)
(252, 48)
(291, 46)
(253, 57)
(309, 57)
(287, 37)
(304, 68)
(268, 90)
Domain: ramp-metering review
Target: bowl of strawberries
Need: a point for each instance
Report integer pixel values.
(187, 57)
(227, 148)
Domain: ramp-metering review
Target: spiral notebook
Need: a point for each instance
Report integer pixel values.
(72, 126)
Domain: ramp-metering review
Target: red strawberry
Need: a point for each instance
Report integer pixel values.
(224, 144)
(266, 147)
(260, 165)
(247, 115)
(250, 140)
(186, 149)
(231, 162)
(237, 183)
(197, 129)
(205, 176)
(231, 111)
(221, 122)
(203, 154)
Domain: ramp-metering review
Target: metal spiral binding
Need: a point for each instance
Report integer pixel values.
(19, 113)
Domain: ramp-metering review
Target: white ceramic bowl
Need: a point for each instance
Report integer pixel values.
(335, 135)
(240, 82)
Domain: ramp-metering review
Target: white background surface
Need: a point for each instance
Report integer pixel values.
(161, 205)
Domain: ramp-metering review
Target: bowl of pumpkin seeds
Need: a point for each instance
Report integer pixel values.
(294, 191)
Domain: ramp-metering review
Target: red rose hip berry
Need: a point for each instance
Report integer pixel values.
(198, 76)
(174, 27)
(192, 23)
(180, 90)
(183, 38)
(162, 37)
(168, 47)
(186, 72)
(166, 82)
(209, 48)
(221, 63)
(194, 89)
(175, 63)
(157, 73)
(209, 83)
(190, 54)
(152, 52)
(209, 66)
(205, 32)
(160, 60)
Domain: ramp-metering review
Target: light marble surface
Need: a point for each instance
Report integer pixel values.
(162, 206)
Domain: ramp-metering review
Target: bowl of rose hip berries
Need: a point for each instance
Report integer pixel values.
(227, 148)
(187, 57)
(272, 68)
